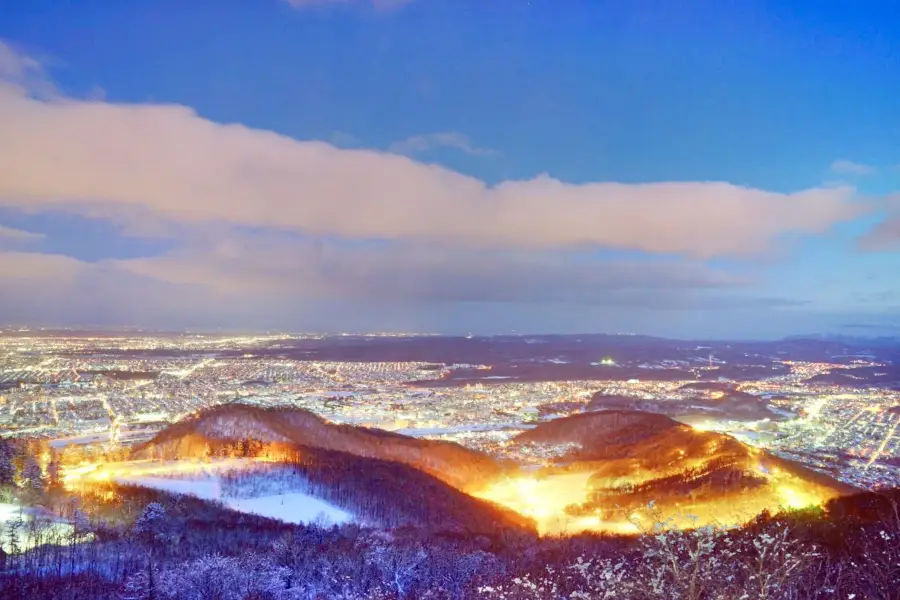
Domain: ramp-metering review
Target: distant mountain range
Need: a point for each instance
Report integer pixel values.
(849, 340)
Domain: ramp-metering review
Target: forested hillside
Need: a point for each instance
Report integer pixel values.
(140, 544)
(205, 432)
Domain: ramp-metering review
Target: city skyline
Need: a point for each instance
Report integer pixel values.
(699, 172)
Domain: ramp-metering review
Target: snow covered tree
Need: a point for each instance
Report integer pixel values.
(150, 518)
(149, 530)
(53, 471)
(137, 587)
(399, 567)
(224, 578)
(7, 467)
(12, 541)
(32, 475)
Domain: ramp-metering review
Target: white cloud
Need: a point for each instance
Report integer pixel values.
(164, 164)
(8, 234)
(404, 233)
(104, 159)
(418, 144)
(24, 72)
(848, 167)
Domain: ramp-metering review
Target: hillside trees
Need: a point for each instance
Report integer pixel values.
(848, 550)
(53, 471)
(377, 492)
(32, 474)
(7, 467)
(149, 531)
(224, 578)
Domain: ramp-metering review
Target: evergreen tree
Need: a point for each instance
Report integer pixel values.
(149, 530)
(53, 468)
(32, 475)
(148, 526)
(137, 587)
(7, 467)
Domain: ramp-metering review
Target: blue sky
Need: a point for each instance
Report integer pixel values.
(515, 118)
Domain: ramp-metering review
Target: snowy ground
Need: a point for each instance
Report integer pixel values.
(295, 507)
(99, 437)
(201, 480)
(292, 508)
(52, 527)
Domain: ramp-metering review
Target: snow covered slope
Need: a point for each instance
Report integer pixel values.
(293, 507)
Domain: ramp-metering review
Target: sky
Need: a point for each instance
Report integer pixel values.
(694, 169)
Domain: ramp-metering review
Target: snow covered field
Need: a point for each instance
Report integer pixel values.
(202, 480)
(295, 507)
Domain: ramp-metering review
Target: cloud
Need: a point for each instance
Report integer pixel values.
(96, 93)
(400, 272)
(378, 4)
(52, 289)
(284, 282)
(848, 167)
(101, 159)
(10, 235)
(342, 139)
(885, 236)
(24, 72)
(418, 144)
(878, 327)
(35, 266)
(266, 228)
(278, 232)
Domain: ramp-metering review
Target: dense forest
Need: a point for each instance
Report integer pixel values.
(208, 430)
(139, 544)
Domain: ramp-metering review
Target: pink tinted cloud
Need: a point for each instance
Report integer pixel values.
(163, 164)
(95, 158)
(885, 236)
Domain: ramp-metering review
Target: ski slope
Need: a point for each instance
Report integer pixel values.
(295, 507)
